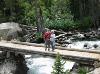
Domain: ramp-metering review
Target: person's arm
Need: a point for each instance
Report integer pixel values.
(54, 36)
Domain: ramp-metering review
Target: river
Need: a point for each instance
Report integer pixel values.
(80, 44)
(39, 64)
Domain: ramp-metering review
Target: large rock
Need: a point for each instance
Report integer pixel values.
(96, 71)
(9, 30)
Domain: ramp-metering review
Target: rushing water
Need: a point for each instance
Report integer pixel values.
(43, 65)
(80, 44)
(39, 64)
(7, 67)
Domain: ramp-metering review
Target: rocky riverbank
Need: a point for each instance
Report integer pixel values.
(13, 64)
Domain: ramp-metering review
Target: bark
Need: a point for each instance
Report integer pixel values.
(87, 8)
(80, 9)
(39, 17)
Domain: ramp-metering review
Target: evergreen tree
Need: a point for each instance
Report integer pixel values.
(82, 70)
(58, 65)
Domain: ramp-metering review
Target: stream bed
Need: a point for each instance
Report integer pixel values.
(39, 64)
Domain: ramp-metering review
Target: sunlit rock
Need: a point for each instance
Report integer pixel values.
(9, 30)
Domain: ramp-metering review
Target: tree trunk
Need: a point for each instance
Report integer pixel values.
(81, 9)
(39, 17)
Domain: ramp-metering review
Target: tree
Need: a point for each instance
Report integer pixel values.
(86, 8)
(26, 14)
(10, 8)
(38, 17)
(60, 17)
(58, 65)
(82, 70)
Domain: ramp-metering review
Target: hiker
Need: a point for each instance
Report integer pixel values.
(52, 40)
(46, 37)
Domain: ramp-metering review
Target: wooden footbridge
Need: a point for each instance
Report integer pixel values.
(83, 55)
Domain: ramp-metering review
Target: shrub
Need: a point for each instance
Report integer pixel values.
(82, 70)
(58, 65)
(69, 24)
(83, 24)
(38, 37)
(64, 24)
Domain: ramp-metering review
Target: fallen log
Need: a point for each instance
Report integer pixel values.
(61, 35)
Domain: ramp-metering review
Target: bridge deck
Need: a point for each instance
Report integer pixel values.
(7, 46)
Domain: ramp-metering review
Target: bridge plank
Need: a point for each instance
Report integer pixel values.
(7, 46)
(59, 47)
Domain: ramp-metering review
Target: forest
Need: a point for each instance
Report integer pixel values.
(54, 14)
(75, 25)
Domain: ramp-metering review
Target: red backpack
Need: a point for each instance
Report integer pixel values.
(47, 35)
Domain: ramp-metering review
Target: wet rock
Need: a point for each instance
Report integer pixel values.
(21, 65)
(86, 35)
(57, 44)
(14, 64)
(95, 45)
(69, 41)
(96, 71)
(63, 45)
(87, 46)
(8, 67)
(80, 35)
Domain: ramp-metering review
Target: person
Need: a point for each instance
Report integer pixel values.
(52, 40)
(46, 37)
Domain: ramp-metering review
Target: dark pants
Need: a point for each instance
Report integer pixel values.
(47, 44)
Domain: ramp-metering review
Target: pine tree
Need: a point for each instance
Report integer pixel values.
(58, 65)
(82, 70)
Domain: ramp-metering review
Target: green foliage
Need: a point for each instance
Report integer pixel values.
(60, 17)
(64, 24)
(69, 24)
(27, 15)
(7, 8)
(67, 72)
(86, 22)
(82, 70)
(57, 14)
(39, 37)
(83, 24)
(58, 65)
